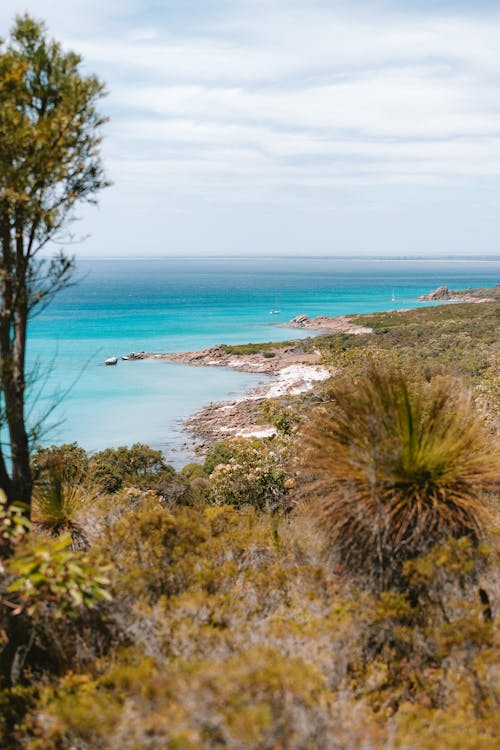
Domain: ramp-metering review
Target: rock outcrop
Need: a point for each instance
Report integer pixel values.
(339, 324)
(300, 320)
(441, 293)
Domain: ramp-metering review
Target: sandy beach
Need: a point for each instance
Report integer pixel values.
(293, 367)
(294, 370)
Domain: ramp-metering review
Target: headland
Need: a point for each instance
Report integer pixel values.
(295, 367)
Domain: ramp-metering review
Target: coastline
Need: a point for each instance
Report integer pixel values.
(292, 368)
(244, 417)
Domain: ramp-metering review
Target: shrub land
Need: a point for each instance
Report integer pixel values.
(330, 587)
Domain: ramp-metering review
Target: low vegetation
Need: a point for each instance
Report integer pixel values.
(330, 587)
(268, 348)
(462, 338)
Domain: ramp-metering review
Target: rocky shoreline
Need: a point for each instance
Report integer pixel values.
(295, 369)
(244, 417)
(443, 294)
(270, 359)
(340, 324)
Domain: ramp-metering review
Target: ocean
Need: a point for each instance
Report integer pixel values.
(181, 304)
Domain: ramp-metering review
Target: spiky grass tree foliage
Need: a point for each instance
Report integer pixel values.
(57, 499)
(398, 466)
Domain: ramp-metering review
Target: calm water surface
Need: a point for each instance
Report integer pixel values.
(175, 304)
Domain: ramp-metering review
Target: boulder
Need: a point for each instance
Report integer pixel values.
(300, 320)
(441, 293)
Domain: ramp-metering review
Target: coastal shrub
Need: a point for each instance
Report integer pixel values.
(13, 527)
(190, 559)
(71, 461)
(236, 631)
(219, 453)
(397, 466)
(253, 474)
(197, 484)
(138, 465)
(269, 347)
(52, 574)
(258, 699)
(193, 471)
(284, 417)
(462, 338)
(138, 543)
(46, 590)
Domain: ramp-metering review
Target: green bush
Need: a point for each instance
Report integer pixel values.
(13, 526)
(46, 592)
(284, 418)
(193, 471)
(220, 453)
(138, 465)
(51, 574)
(254, 474)
(70, 461)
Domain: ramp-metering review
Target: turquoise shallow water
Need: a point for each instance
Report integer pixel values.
(185, 304)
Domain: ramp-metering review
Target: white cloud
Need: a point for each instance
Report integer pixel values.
(281, 101)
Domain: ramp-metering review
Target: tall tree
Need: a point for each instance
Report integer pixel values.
(50, 134)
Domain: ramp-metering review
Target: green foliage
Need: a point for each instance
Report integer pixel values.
(69, 460)
(51, 574)
(56, 503)
(250, 700)
(59, 496)
(284, 418)
(51, 130)
(268, 347)
(106, 476)
(138, 465)
(434, 729)
(220, 453)
(253, 474)
(13, 525)
(399, 466)
(462, 338)
(457, 560)
(49, 162)
(193, 471)
(237, 633)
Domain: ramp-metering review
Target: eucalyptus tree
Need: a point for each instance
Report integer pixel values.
(50, 136)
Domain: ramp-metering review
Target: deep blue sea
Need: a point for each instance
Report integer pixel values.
(174, 304)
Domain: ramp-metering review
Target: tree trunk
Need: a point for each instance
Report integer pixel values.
(13, 328)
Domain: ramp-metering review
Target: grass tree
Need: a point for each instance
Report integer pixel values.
(58, 498)
(398, 465)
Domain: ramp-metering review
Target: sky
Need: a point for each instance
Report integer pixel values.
(290, 127)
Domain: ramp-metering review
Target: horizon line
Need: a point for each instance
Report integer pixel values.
(245, 256)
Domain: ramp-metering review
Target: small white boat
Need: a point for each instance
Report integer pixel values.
(111, 361)
(393, 298)
(275, 310)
